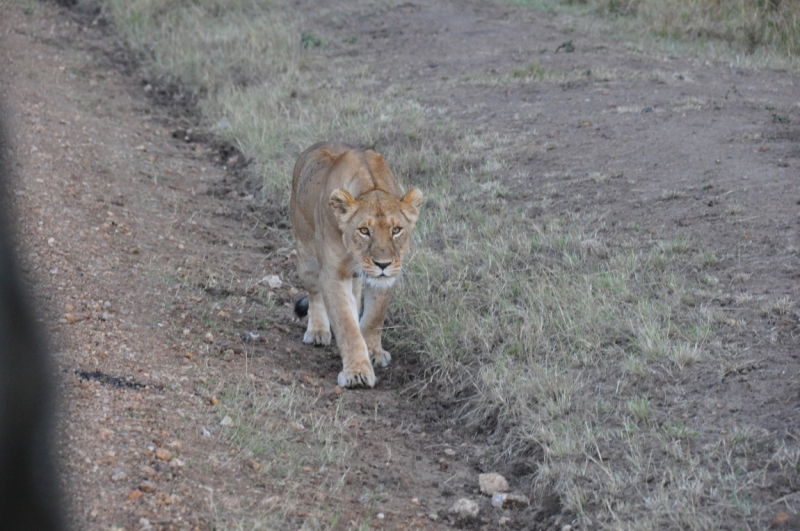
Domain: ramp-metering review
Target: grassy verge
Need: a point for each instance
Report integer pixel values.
(769, 27)
(558, 345)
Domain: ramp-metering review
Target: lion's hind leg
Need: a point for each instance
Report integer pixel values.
(318, 331)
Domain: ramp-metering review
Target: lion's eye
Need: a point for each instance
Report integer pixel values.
(397, 230)
(364, 231)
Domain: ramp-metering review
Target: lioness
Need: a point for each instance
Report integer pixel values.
(351, 222)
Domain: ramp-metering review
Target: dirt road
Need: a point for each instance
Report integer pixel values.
(152, 264)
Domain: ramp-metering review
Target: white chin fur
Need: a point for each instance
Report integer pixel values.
(379, 282)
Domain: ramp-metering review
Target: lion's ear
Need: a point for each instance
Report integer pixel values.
(411, 203)
(343, 204)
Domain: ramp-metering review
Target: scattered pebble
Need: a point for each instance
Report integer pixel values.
(380, 516)
(273, 281)
(212, 401)
(504, 520)
(135, 495)
(504, 500)
(450, 452)
(227, 421)
(492, 482)
(209, 338)
(148, 486)
(255, 465)
(414, 501)
(118, 475)
(464, 508)
(249, 337)
(163, 454)
(176, 463)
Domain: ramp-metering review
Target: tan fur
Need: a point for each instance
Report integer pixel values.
(338, 194)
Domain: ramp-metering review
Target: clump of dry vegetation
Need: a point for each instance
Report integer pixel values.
(743, 24)
(555, 343)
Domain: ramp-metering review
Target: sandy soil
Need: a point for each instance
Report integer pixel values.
(115, 213)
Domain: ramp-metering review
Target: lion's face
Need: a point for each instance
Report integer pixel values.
(376, 231)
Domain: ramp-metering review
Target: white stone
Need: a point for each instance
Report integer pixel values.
(465, 508)
(492, 483)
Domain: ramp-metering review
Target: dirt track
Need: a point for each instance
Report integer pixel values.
(120, 219)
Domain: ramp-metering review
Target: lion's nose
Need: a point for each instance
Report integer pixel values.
(382, 265)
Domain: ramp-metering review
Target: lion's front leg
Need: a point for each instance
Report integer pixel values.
(343, 314)
(376, 302)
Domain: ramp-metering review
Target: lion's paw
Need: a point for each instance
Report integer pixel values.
(359, 375)
(380, 357)
(317, 337)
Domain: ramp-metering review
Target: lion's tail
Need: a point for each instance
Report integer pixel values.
(301, 308)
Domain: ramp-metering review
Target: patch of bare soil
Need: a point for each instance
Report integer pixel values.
(141, 242)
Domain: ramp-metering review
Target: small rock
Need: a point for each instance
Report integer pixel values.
(273, 281)
(249, 337)
(176, 445)
(209, 338)
(414, 501)
(163, 454)
(364, 498)
(148, 486)
(212, 401)
(501, 499)
(492, 482)
(135, 495)
(204, 432)
(144, 524)
(255, 465)
(118, 475)
(450, 452)
(176, 463)
(227, 421)
(504, 520)
(71, 318)
(380, 516)
(433, 517)
(464, 508)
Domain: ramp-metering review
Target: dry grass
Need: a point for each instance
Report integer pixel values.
(767, 26)
(554, 342)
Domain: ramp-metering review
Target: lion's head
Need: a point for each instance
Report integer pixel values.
(376, 231)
